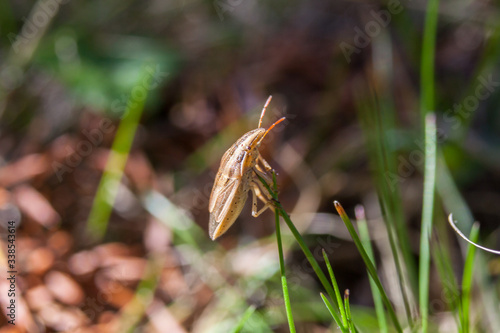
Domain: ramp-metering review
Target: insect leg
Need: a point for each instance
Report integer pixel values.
(267, 179)
(264, 162)
(263, 174)
(262, 191)
(257, 193)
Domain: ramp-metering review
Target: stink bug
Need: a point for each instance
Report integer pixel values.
(237, 175)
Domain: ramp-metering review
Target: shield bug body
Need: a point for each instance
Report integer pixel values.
(237, 175)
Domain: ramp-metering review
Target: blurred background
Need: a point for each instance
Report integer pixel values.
(114, 117)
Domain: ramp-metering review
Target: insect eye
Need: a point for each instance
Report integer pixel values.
(248, 147)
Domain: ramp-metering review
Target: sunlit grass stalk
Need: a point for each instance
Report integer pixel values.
(365, 239)
(314, 264)
(467, 279)
(369, 265)
(284, 283)
(107, 190)
(427, 216)
(241, 323)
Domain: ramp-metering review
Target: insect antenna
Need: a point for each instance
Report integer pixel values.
(264, 110)
(271, 127)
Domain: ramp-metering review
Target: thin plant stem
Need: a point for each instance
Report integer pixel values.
(314, 264)
(284, 284)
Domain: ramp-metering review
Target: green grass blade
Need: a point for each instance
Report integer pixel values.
(369, 265)
(244, 319)
(310, 257)
(102, 206)
(308, 254)
(333, 312)
(336, 288)
(284, 283)
(427, 216)
(365, 239)
(467, 277)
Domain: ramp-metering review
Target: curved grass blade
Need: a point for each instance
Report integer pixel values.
(452, 223)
